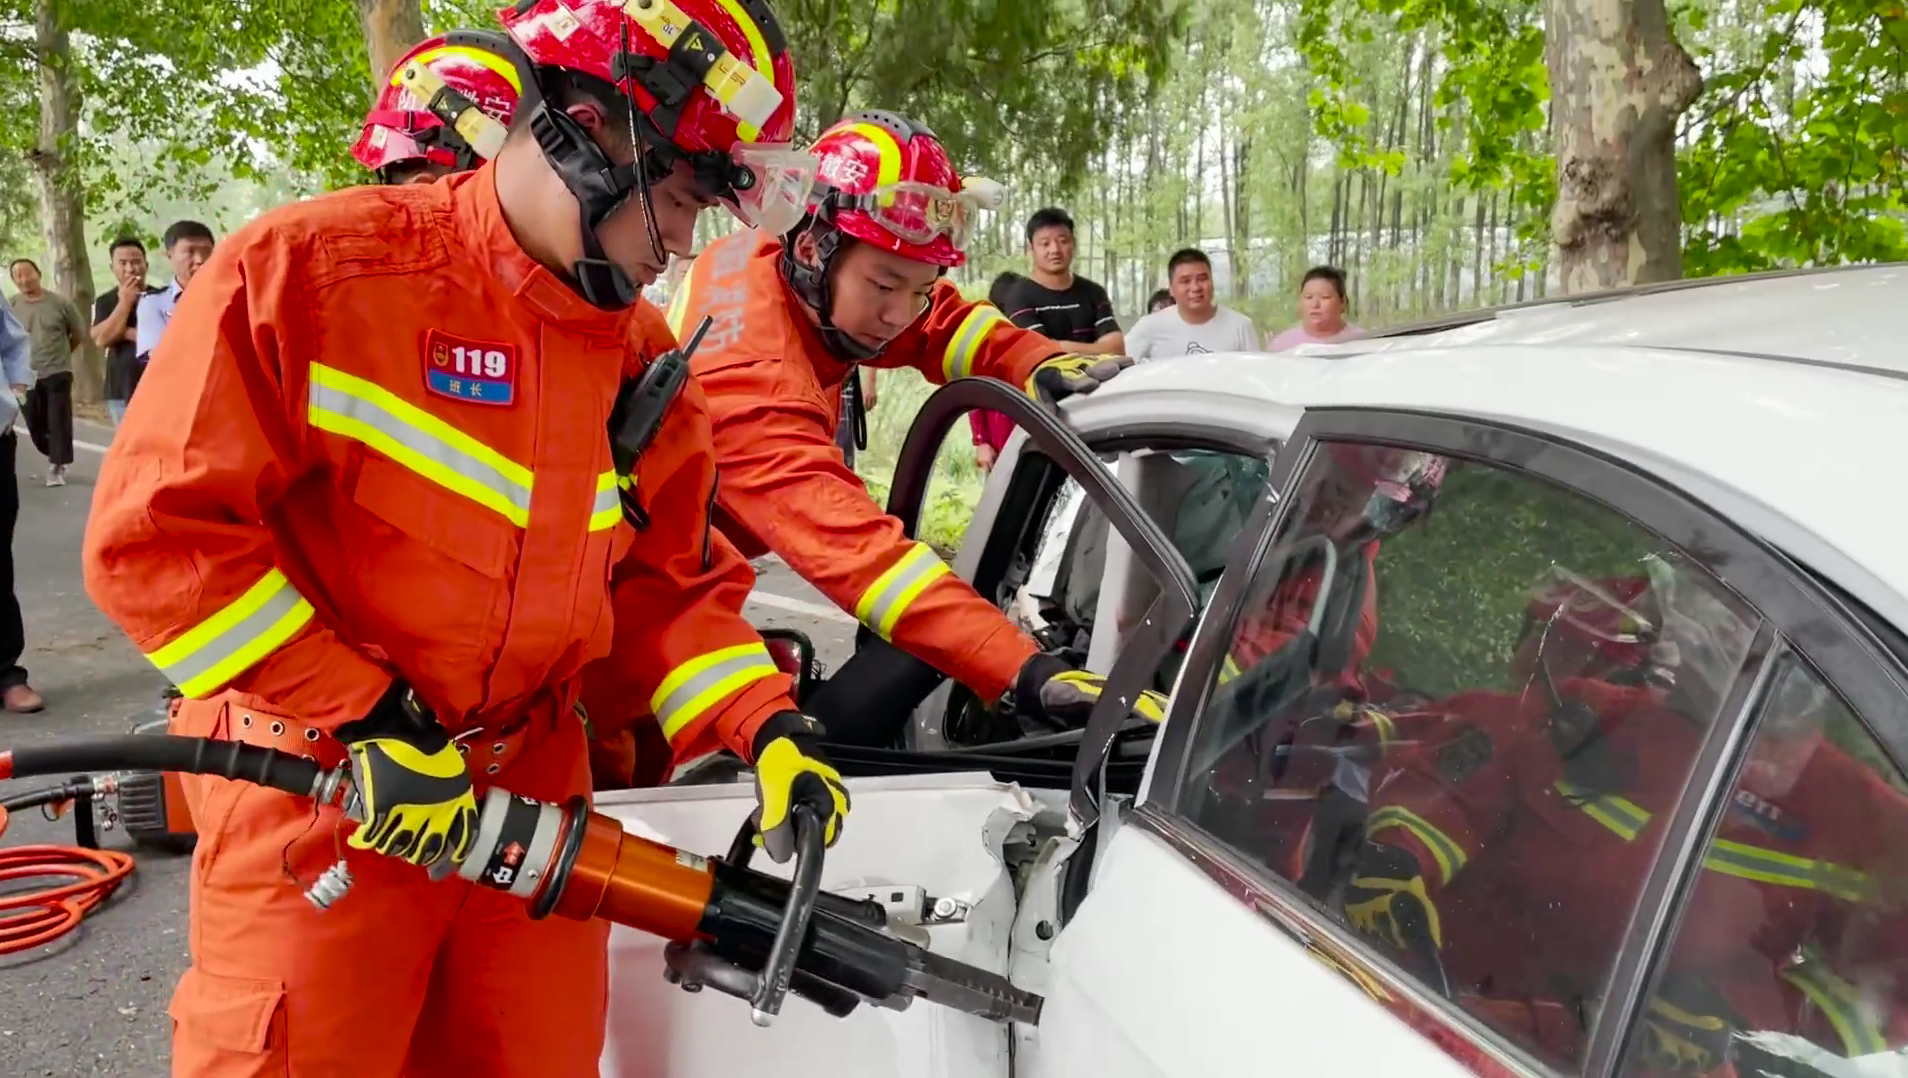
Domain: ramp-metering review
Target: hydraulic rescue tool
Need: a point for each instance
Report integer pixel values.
(731, 928)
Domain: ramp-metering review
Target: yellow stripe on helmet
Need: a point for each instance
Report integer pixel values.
(481, 58)
(889, 173)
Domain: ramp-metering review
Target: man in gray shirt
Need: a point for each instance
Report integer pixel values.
(55, 328)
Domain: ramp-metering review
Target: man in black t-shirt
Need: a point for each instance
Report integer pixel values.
(115, 316)
(1072, 311)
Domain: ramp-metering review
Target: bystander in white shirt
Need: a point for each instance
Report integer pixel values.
(1194, 324)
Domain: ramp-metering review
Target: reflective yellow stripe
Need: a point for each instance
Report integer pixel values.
(1387, 731)
(1450, 856)
(233, 640)
(1229, 670)
(679, 305)
(882, 605)
(888, 171)
(607, 509)
(1841, 1003)
(1786, 870)
(693, 688)
(482, 58)
(966, 343)
(1738, 859)
(1626, 818)
(366, 412)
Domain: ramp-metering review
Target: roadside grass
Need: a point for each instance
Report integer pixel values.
(956, 483)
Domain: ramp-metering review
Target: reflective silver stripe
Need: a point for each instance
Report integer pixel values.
(350, 406)
(693, 688)
(607, 509)
(965, 345)
(888, 598)
(235, 638)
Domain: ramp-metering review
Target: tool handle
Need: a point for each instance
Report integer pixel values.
(810, 847)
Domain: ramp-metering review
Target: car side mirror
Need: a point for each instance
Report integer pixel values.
(794, 655)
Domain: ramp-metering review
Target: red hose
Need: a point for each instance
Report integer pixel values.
(30, 919)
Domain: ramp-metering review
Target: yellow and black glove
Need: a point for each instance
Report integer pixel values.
(1387, 900)
(791, 769)
(1687, 1029)
(1070, 375)
(412, 784)
(1049, 695)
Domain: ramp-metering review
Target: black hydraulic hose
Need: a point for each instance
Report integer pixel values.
(71, 790)
(146, 752)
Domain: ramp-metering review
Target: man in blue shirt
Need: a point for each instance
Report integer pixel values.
(188, 245)
(16, 361)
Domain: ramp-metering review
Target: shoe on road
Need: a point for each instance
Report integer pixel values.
(22, 700)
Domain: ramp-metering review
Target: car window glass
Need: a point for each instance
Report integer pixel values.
(1456, 705)
(1200, 498)
(1791, 955)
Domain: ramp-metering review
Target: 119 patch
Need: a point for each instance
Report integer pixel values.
(462, 369)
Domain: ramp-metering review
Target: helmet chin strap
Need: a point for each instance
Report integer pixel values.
(600, 282)
(811, 286)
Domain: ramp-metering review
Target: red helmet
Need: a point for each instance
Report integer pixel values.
(887, 181)
(712, 78)
(447, 102)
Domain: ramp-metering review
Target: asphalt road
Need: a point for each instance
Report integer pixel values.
(94, 1003)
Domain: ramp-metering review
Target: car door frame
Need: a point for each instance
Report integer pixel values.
(1172, 609)
(1798, 613)
(1106, 432)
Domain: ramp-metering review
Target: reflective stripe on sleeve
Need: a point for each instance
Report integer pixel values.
(232, 641)
(365, 412)
(1449, 855)
(1841, 1003)
(693, 688)
(607, 509)
(880, 607)
(966, 342)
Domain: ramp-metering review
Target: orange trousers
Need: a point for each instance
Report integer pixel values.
(402, 978)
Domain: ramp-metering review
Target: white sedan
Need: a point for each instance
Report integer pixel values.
(1539, 707)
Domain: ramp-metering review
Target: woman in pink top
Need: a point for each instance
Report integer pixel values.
(1321, 312)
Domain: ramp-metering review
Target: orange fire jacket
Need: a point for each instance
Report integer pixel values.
(372, 444)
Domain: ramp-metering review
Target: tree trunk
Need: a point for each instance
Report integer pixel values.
(391, 28)
(62, 190)
(1618, 82)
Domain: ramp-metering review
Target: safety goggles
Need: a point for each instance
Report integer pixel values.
(769, 186)
(1587, 607)
(917, 213)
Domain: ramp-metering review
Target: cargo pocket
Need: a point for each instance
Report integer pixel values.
(228, 1027)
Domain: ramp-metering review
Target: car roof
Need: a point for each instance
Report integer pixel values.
(1795, 443)
(1853, 315)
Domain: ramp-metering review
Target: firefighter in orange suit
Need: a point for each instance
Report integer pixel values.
(378, 519)
(862, 281)
(1543, 811)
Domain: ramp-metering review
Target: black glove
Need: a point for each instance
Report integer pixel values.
(412, 784)
(1049, 696)
(791, 769)
(1068, 375)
